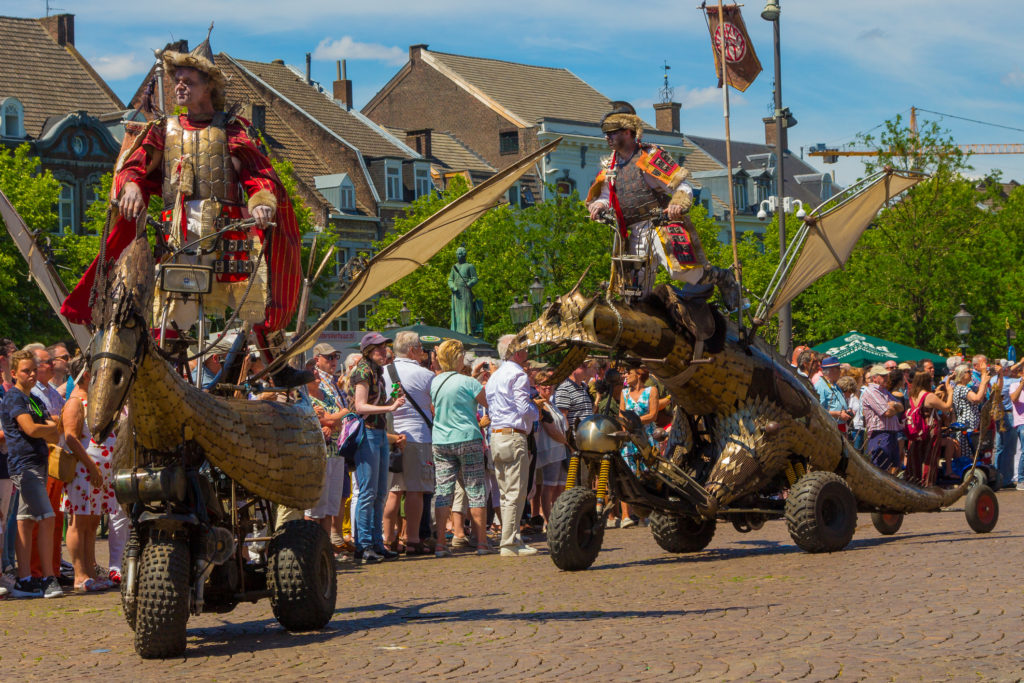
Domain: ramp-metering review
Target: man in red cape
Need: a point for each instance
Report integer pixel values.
(204, 154)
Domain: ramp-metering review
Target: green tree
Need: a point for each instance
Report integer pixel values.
(925, 253)
(33, 193)
(554, 240)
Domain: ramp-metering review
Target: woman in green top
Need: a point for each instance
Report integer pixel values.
(458, 444)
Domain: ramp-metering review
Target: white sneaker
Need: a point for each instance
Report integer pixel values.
(518, 551)
(626, 523)
(52, 589)
(1020, 486)
(611, 523)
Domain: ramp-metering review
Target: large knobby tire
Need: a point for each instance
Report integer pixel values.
(821, 512)
(887, 523)
(301, 576)
(575, 533)
(982, 509)
(678, 534)
(129, 608)
(163, 599)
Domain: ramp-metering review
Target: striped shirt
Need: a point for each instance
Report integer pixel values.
(875, 401)
(574, 400)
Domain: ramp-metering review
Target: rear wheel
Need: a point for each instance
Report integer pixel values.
(301, 576)
(887, 523)
(678, 534)
(821, 512)
(982, 509)
(575, 533)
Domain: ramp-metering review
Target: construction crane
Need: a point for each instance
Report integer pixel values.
(831, 155)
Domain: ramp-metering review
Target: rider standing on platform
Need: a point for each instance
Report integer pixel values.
(639, 182)
(199, 162)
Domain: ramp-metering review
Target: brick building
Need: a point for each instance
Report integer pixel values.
(52, 99)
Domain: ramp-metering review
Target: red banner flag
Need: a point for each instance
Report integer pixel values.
(741, 63)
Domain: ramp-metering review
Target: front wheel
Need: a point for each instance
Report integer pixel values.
(678, 534)
(301, 576)
(887, 523)
(163, 595)
(982, 509)
(575, 532)
(821, 512)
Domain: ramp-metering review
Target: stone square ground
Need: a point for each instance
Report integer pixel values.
(934, 602)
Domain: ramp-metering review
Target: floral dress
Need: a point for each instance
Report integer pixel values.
(641, 406)
(969, 414)
(80, 496)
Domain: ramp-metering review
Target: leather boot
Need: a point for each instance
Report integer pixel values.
(726, 283)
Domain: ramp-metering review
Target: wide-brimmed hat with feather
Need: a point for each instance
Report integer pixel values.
(201, 59)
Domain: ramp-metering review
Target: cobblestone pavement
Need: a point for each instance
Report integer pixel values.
(935, 601)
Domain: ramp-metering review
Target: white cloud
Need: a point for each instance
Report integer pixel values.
(702, 97)
(116, 67)
(347, 48)
(1015, 78)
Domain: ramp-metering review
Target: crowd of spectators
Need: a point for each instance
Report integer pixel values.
(457, 453)
(909, 418)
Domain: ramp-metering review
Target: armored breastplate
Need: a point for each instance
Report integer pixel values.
(636, 199)
(206, 171)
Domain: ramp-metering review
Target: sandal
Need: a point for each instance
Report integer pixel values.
(91, 586)
(418, 548)
(397, 546)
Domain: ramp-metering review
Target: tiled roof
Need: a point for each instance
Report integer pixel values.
(48, 79)
(529, 92)
(350, 125)
(283, 141)
(714, 148)
(451, 152)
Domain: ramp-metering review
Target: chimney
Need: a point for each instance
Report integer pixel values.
(343, 86)
(414, 51)
(258, 117)
(666, 116)
(61, 27)
(309, 60)
(419, 140)
(769, 133)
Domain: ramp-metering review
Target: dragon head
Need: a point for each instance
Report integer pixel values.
(561, 336)
(121, 336)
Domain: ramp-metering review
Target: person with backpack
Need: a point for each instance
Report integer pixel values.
(922, 427)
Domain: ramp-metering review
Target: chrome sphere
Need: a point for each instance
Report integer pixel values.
(595, 434)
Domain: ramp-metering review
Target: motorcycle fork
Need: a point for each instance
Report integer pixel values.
(602, 483)
(574, 471)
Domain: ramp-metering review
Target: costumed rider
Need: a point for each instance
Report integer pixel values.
(640, 181)
(199, 163)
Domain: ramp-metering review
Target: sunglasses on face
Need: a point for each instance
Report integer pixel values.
(333, 357)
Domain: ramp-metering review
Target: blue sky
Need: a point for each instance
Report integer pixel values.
(847, 66)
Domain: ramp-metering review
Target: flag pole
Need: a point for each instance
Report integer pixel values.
(728, 160)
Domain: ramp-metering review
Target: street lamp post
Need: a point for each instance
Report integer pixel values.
(405, 314)
(962, 320)
(519, 311)
(771, 13)
(536, 293)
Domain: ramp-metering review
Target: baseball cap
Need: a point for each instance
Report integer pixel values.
(324, 349)
(829, 362)
(877, 370)
(371, 339)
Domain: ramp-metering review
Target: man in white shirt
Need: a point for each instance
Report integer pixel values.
(413, 420)
(512, 414)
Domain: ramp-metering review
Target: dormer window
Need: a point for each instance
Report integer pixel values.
(338, 189)
(421, 174)
(12, 118)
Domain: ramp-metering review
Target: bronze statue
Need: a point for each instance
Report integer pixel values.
(461, 281)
